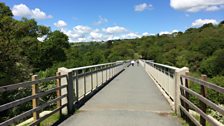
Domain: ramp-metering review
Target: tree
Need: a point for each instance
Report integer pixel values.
(5, 11)
(52, 50)
(10, 61)
(58, 39)
(214, 65)
(222, 22)
(19, 47)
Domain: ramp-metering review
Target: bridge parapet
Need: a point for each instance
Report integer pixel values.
(167, 79)
(174, 84)
(84, 80)
(69, 85)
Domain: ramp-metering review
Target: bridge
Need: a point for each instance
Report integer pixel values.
(119, 94)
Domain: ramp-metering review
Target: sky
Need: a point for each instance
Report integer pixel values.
(102, 20)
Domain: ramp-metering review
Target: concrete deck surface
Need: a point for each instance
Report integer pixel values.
(131, 99)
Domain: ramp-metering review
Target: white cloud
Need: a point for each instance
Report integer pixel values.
(214, 8)
(38, 14)
(115, 29)
(164, 32)
(22, 10)
(175, 30)
(101, 20)
(96, 35)
(81, 33)
(82, 29)
(142, 7)
(197, 5)
(167, 32)
(131, 35)
(42, 38)
(145, 34)
(60, 24)
(200, 22)
(73, 35)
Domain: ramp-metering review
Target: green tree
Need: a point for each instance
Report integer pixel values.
(215, 96)
(52, 50)
(213, 65)
(12, 69)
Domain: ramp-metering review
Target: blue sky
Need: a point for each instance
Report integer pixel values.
(97, 20)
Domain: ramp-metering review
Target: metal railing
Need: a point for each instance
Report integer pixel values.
(70, 86)
(166, 78)
(175, 83)
(85, 80)
(164, 75)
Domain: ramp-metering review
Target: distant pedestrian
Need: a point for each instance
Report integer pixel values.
(137, 62)
(133, 63)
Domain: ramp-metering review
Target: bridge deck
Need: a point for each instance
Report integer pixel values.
(131, 99)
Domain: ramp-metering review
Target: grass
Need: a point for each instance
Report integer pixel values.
(54, 118)
(50, 120)
(181, 120)
(198, 118)
(195, 74)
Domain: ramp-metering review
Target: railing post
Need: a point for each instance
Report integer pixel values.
(186, 93)
(96, 77)
(84, 78)
(109, 71)
(91, 70)
(112, 70)
(115, 65)
(177, 102)
(70, 93)
(203, 105)
(77, 85)
(35, 101)
(112, 66)
(106, 72)
(102, 74)
(58, 85)
(68, 81)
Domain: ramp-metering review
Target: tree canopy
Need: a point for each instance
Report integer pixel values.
(22, 54)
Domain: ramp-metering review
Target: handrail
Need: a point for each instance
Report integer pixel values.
(63, 87)
(28, 98)
(197, 109)
(92, 66)
(28, 83)
(23, 100)
(192, 118)
(29, 112)
(203, 99)
(91, 72)
(48, 115)
(205, 83)
(204, 102)
(165, 78)
(163, 65)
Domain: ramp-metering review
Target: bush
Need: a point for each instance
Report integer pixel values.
(216, 97)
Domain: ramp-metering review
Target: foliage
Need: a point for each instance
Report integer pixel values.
(22, 54)
(213, 65)
(217, 115)
(214, 95)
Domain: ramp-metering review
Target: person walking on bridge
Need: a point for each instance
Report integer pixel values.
(133, 63)
(137, 62)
